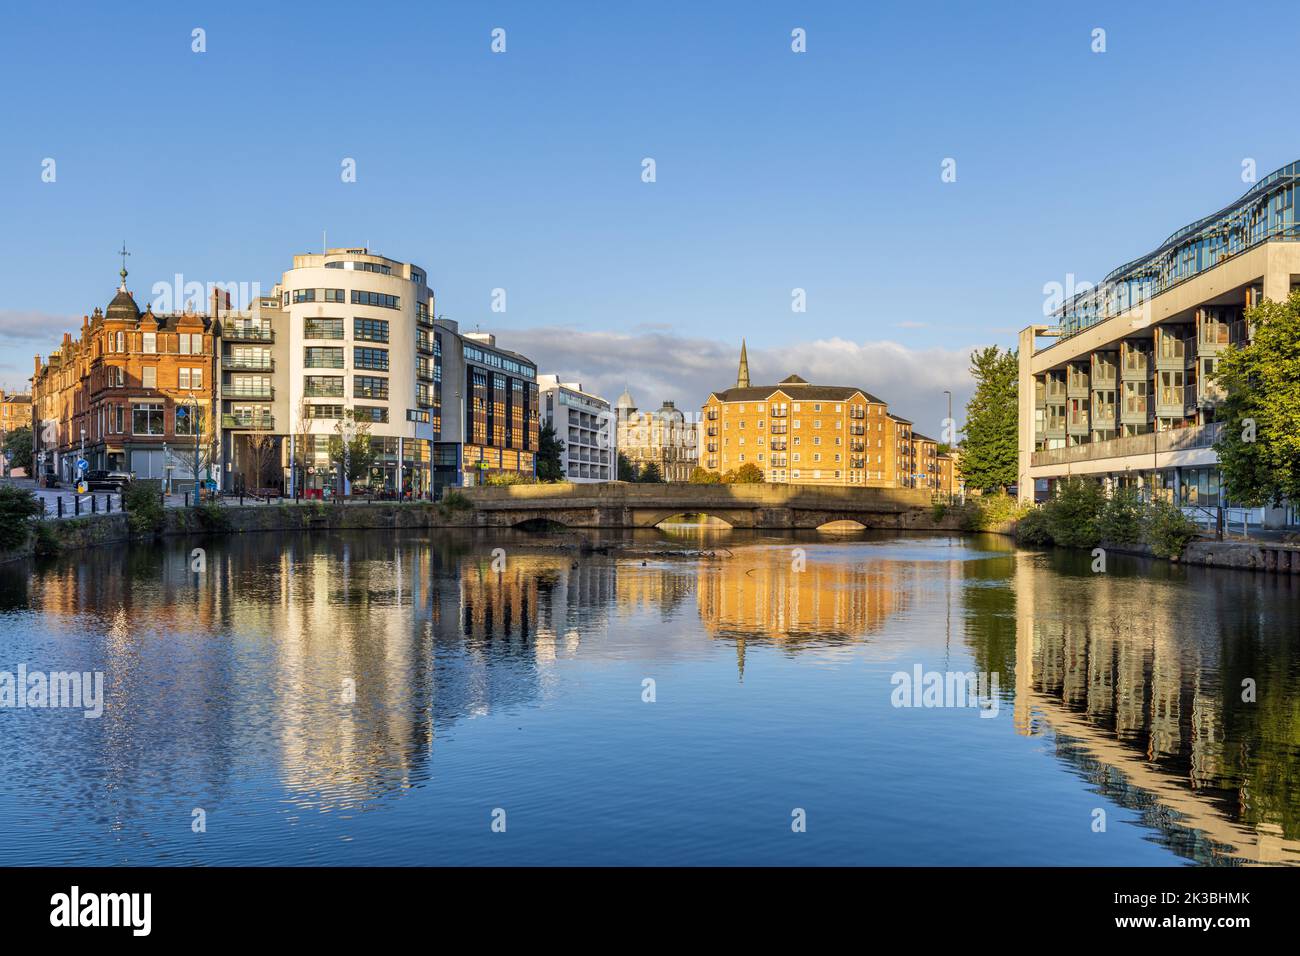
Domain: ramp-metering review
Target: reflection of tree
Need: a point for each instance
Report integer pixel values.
(989, 608)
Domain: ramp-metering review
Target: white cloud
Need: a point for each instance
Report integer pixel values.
(658, 365)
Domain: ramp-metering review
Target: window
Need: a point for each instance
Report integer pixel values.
(334, 295)
(370, 330)
(322, 357)
(322, 328)
(369, 386)
(189, 420)
(149, 376)
(323, 386)
(374, 359)
(304, 295)
(190, 343)
(149, 343)
(417, 415)
(189, 378)
(147, 419)
(371, 413)
(324, 411)
(248, 386)
(376, 298)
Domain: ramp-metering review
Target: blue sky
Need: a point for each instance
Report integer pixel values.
(522, 170)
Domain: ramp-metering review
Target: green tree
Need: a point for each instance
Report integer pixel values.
(702, 476)
(1074, 513)
(990, 451)
(18, 448)
(747, 474)
(626, 470)
(18, 508)
(1259, 445)
(650, 473)
(355, 454)
(550, 450)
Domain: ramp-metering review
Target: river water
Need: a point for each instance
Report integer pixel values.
(371, 698)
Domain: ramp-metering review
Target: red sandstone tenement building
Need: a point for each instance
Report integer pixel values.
(132, 392)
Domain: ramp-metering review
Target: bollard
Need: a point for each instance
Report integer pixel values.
(94, 505)
(241, 499)
(59, 501)
(76, 505)
(187, 499)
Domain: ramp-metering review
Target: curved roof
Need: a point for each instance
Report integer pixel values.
(123, 307)
(1266, 211)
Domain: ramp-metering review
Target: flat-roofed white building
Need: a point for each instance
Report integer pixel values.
(585, 423)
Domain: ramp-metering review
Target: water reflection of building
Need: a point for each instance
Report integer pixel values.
(761, 595)
(1130, 678)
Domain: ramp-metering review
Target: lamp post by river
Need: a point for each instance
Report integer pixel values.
(349, 430)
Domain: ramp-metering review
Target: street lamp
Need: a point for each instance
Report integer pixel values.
(349, 430)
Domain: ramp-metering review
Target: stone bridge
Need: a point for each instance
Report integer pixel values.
(771, 506)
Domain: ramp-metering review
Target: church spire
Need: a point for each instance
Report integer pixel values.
(742, 376)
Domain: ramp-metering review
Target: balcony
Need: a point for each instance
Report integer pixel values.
(247, 365)
(247, 391)
(264, 423)
(1176, 439)
(247, 333)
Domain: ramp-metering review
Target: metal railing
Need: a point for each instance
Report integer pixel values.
(1176, 439)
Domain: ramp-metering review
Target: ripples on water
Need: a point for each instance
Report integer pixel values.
(523, 691)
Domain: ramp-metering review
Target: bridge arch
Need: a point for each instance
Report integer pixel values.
(727, 521)
(841, 526)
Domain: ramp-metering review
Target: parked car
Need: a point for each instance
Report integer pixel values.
(50, 479)
(112, 480)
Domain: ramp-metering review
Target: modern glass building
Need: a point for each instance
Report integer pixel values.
(1119, 385)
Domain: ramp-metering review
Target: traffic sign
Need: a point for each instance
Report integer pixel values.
(82, 465)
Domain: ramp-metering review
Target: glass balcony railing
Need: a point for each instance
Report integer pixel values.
(247, 333)
(1152, 443)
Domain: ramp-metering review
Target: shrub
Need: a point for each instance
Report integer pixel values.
(144, 507)
(46, 541)
(1032, 528)
(1121, 518)
(503, 478)
(1073, 515)
(212, 516)
(702, 476)
(17, 509)
(938, 510)
(1168, 530)
(986, 511)
(453, 502)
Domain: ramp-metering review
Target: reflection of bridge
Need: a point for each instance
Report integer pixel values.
(771, 506)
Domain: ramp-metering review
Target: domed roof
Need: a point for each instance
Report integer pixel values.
(122, 307)
(625, 400)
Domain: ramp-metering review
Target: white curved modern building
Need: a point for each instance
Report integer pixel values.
(361, 351)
